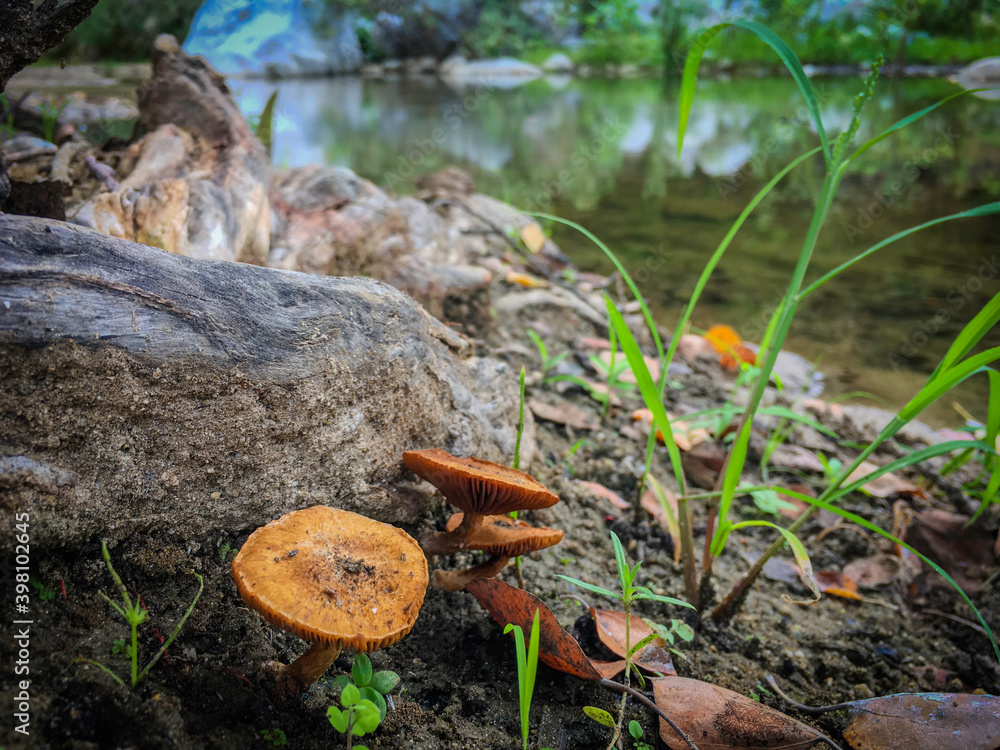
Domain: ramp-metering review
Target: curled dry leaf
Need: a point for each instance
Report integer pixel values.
(556, 647)
(836, 584)
(929, 721)
(719, 719)
(603, 492)
(796, 458)
(564, 413)
(886, 485)
(611, 630)
(965, 552)
(875, 571)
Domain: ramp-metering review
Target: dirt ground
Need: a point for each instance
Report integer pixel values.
(459, 682)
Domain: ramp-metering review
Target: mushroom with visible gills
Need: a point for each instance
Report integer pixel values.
(335, 579)
(478, 488)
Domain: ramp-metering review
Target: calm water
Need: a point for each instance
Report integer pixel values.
(603, 153)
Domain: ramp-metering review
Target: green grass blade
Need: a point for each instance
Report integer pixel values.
(265, 127)
(620, 268)
(721, 249)
(972, 334)
(947, 378)
(648, 389)
(854, 518)
(985, 210)
(590, 587)
(990, 463)
(788, 57)
(904, 122)
(913, 458)
(798, 549)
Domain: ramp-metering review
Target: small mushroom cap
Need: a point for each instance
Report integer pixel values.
(478, 486)
(504, 536)
(333, 577)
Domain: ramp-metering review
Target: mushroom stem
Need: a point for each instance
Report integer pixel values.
(312, 664)
(454, 580)
(447, 542)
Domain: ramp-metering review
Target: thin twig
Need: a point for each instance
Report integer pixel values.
(956, 618)
(619, 688)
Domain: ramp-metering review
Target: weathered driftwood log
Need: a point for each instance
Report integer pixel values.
(198, 186)
(143, 391)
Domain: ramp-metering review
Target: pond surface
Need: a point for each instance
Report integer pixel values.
(603, 153)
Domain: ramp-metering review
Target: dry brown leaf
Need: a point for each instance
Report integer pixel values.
(929, 721)
(836, 584)
(685, 436)
(875, 571)
(556, 647)
(533, 237)
(652, 506)
(611, 630)
(719, 719)
(610, 495)
(796, 458)
(564, 413)
(886, 485)
(965, 552)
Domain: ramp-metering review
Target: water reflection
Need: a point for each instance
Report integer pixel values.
(605, 154)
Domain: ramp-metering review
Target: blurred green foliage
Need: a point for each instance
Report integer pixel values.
(125, 29)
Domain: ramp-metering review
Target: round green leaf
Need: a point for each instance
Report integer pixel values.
(350, 696)
(369, 693)
(337, 718)
(635, 729)
(361, 670)
(384, 681)
(600, 716)
(366, 718)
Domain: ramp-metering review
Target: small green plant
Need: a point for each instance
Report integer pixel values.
(359, 716)
(630, 593)
(670, 633)
(371, 686)
(274, 737)
(527, 666)
(50, 112)
(548, 363)
(227, 552)
(44, 592)
(136, 614)
(635, 729)
(263, 124)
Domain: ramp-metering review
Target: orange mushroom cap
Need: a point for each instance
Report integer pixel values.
(478, 486)
(504, 536)
(333, 577)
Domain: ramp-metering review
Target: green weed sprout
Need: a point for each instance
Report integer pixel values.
(50, 118)
(274, 737)
(635, 730)
(359, 716)
(629, 594)
(527, 665)
(372, 686)
(548, 362)
(135, 614)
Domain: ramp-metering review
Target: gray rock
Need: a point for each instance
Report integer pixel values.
(557, 62)
(425, 27)
(981, 74)
(149, 393)
(276, 39)
(501, 72)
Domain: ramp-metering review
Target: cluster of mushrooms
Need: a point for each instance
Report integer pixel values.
(341, 580)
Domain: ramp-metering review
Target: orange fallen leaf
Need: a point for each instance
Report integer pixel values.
(533, 237)
(611, 631)
(729, 346)
(523, 279)
(835, 584)
(610, 495)
(719, 719)
(556, 647)
(685, 436)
